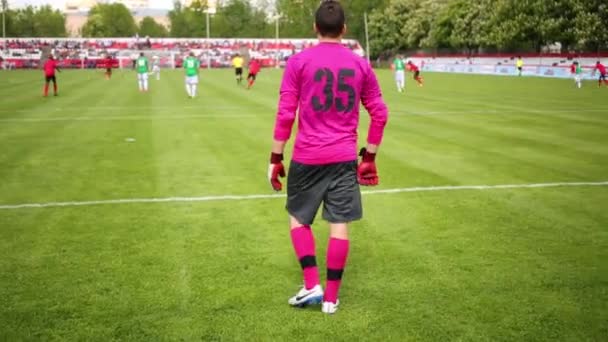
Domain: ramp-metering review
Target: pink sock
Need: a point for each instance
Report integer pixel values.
(336, 261)
(304, 245)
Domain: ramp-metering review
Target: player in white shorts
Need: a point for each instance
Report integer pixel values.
(191, 66)
(156, 67)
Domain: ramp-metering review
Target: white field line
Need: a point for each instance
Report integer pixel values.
(273, 196)
(232, 114)
(130, 118)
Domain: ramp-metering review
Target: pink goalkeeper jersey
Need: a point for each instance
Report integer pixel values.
(326, 84)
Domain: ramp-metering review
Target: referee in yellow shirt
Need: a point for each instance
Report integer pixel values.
(520, 65)
(237, 63)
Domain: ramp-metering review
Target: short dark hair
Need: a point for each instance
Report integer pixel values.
(330, 19)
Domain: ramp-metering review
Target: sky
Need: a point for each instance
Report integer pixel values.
(168, 4)
(61, 3)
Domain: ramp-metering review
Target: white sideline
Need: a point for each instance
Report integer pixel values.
(271, 196)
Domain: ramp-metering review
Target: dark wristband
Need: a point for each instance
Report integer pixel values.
(366, 156)
(276, 158)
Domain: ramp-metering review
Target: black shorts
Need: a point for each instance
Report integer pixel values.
(416, 74)
(50, 78)
(334, 185)
(238, 71)
(520, 68)
(252, 76)
(602, 77)
(109, 70)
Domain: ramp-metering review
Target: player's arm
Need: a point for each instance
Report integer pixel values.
(286, 115)
(371, 97)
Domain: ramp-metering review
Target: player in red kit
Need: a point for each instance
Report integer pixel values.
(322, 88)
(413, 68)
(49, 73)
(108, 63)
(602, 70)
(254, 69)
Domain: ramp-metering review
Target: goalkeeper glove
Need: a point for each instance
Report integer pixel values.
(367, 173)
(276, 170)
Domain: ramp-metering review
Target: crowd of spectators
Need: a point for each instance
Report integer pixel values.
(217, 52)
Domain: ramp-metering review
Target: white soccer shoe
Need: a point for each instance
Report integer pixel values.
(329, 307)
(307, 297)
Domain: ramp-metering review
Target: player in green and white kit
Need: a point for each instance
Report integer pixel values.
(399, 67)
(191, 65)
(141, 65)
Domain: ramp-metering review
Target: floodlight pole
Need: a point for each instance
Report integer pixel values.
(208, 28)
(4, 6)
(278, 49)
(366, 37)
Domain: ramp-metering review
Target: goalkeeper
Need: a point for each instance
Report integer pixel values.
(325, 85)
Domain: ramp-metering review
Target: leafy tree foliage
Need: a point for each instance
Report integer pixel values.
(109, 20)
(504, 25)
(32, 21)
(150, 28)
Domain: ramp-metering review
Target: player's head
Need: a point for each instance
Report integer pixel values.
(51, 57)
(330, 20)
(191, 54)
(409, 62)
(597, 63)
(141, 54)
(238, 55)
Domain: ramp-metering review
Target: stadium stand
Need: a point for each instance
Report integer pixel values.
(89, 53)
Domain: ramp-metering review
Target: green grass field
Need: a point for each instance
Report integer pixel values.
(496, 264)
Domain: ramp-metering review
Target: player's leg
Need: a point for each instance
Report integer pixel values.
(251, 79)
(337, 253)
(303, 242)
(46, 87)
(145, 76)
(140, 82)
(342, 205)
(302, 206)
(194, 86)
(397, 81)
(54, 80)
(417, 78)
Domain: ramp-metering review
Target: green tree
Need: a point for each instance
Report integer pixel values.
(237, 18)
(109, 20)
(188, 21)
(386, 25)
(355, 13)
(297, 17)
(49, 22)
(149, 27)
(462, 24)
(35, 22)
(590, 32)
